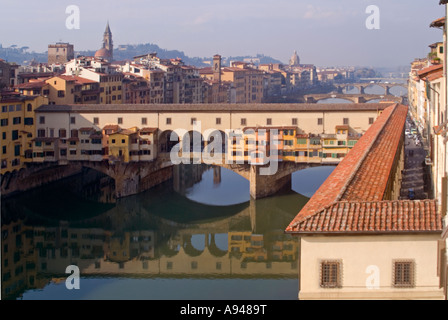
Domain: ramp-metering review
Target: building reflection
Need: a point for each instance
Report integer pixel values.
(130, 240)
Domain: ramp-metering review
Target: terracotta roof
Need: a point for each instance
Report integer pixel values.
(115, 127)
(357, 187)
(31, 85)
(434, 76)
(148, 130)
(423, 72)
(374, 217)
(438, 23)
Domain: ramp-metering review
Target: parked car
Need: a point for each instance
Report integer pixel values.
(407, 132)
(411, 194)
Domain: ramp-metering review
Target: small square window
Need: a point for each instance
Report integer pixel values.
(403, 274)
(320, 121)
(345, 120)
(144, 121)
(96, 120)
(218, 120)
(120, 120)
(330, 274)
(168, 120)
(72, 120)
(243, 121)
(294, 121)
(268, 121)
(371, 120)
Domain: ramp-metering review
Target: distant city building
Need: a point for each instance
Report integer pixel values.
(8, 73)
(295, 60)
(60, 53)
(107, 51)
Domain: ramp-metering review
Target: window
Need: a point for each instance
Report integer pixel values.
(168, 120)
(371, 120)
(62, 133)
(144, 121)
(403, 274)
(15, 135)
(330, 274)
(294, 121)
(243, 121)
(72, 120)
(61, 94)
(345, 121)
(4, 135)
(120, 120)
(218, 120)
(320, 121)
(29, 107)
(96, 120)
(41, 133)
(41, 120)
(268, 121)
(4, 122)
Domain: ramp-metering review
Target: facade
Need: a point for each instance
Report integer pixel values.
(8, 74)
(60, 53)
(58, 125)
(17, 130)
(65, 89)
(109, 78)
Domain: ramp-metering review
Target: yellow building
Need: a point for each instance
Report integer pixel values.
(17, 129)
(65, 89)
(121, 143)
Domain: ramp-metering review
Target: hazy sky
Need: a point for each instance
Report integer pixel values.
(324, 32)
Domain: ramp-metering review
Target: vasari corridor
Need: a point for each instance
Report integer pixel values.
(243, 154)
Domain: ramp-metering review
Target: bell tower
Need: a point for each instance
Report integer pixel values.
(217, 68)
(107, 41)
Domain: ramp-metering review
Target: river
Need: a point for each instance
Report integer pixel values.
(196, 236)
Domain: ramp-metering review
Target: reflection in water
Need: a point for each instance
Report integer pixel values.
(166, 243)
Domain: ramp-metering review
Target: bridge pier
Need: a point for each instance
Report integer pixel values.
(262, 186)
(362, 90)
(135, 181)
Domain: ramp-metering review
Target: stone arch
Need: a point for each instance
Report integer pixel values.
(209, 137)
(165, 143)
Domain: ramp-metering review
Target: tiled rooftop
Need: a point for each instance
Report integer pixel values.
(356, 188)
(374, 216)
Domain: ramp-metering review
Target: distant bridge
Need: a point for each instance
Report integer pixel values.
(356, 98)
(362, 86)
